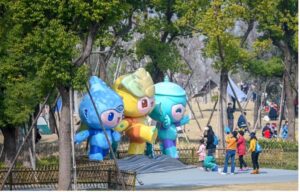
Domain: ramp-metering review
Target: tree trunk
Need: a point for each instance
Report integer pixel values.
(64, 180)
(10, 144)
(157, 75)
(222, 103)
(102, 67)
(288, 90)
(25, 151)
(257, 102)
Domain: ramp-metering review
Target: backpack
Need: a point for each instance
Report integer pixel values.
(258, 148)
(216, 140)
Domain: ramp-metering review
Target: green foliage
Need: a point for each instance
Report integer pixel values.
(52, 160)
(278, 19)
(277, 144)
(160, 29)
(39, 42)
(272, 67)
(216, 22)
(162, 55)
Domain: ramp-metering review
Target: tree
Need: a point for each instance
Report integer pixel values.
(54, 39)
(278, 20)
(160, 28)
(216, 22)
(19, 93)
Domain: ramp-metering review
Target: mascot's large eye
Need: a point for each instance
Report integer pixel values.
(110, 116)
(144, 103)
(178, 112)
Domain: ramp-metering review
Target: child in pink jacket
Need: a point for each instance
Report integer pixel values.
(241, 150)
(201, 152)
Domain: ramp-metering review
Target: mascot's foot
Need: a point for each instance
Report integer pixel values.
(96, 157)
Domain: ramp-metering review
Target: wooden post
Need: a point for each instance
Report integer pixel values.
(72, 140)
(211, 114)
(260, 108)
(194, 115)
(109, 184)
(199, 108)
(10, 181)
(282, 99)
(33, 148)
(193, 154)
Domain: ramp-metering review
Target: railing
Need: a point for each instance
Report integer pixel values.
(90, 175)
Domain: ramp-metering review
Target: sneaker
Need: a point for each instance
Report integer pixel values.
(241, 169)
(223, 173)
(232, 173)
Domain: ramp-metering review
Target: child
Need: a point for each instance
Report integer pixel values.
(266, 132)
(201, 152)
(274, 130)
(210, 163)
(254, 155)
(241, 150)
(231, 141)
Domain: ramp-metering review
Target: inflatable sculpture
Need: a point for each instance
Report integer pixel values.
(110, 108)
(137, 91)
(169, 110)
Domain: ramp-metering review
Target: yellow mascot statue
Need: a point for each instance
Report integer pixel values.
(137, 92)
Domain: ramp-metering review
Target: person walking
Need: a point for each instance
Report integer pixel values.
(231, 141)
(210, 146)
(201, 152)
(241, 150)
(254, 154)
(284, 130)
(230, 117)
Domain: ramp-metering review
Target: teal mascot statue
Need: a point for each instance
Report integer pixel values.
(110, 108)
(170, 102)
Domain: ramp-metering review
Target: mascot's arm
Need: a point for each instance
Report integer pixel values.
(81, 136)
(116, 136)
(185, 120)
(123, 126)
(167, 122)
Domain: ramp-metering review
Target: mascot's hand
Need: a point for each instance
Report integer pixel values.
(185, 120)
(116, 136)
(167, 121)
(123, 125)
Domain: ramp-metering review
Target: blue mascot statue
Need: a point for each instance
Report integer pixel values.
(110, 108)
(170, 102)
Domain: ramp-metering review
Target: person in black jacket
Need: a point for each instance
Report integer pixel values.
(230, 117)
(211, 148)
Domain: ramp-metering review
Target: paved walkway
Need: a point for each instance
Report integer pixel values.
(195, 177)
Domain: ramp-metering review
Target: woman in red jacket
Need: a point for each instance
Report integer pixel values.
(241, 150)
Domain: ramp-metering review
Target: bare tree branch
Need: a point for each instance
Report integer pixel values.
(88, 45)
(249, 29)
